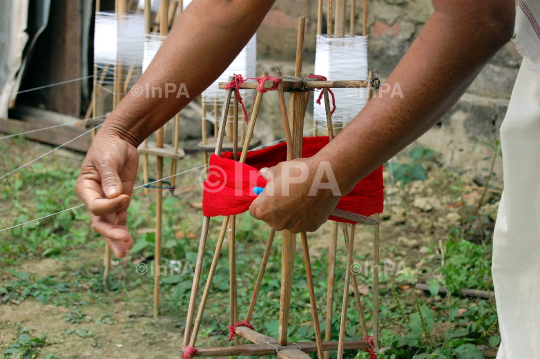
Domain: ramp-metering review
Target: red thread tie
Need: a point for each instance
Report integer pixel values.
(239, 80)
(322, 78)
(189, 352)
(228, 189)
(371, 350)
(233, 327)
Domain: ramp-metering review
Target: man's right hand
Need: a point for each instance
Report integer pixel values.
(105, 184)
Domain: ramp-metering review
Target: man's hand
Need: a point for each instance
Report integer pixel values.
(105, 184)
(293, 198)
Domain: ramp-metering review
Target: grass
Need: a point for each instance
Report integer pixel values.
(413, 324)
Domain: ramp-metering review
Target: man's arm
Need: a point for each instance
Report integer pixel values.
(450, 51)
(206, 39)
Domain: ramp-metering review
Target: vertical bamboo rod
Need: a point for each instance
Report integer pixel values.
(331, 280)
(160, 134)
(232, 238)
(339, 28)
(312, 298)
(329, 125)
(176, 139)
(319, 17)
(204, 130)
(215, 115)
(350, 248)
(329, 20)
(365, 22)
(148, 23)
(353, 20)
(260, 277)
(289, 241)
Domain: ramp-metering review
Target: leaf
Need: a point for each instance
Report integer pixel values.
(416, 323)
(418, 172)
(272, 327)
(139, 246)
(468, 351)
(416, 153)
(171, 279)
(494, 341)
(24, 338)
(434, 287)
(81, 333)
(411, 340)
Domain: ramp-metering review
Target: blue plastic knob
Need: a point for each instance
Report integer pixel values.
(258, 190)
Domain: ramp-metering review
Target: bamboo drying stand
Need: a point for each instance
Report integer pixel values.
(293, 121)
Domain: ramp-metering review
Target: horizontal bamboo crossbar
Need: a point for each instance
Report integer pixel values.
(306, 85)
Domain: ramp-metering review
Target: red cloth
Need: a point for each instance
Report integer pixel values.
(371, 350)
(228, 189)
(189, 352)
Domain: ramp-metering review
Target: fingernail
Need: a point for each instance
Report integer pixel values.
(111, 191)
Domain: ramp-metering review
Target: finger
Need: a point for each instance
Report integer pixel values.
(253, 210)
(92, 195)
(267, 173)
(122, 221)
(107, 227)
(110, 179)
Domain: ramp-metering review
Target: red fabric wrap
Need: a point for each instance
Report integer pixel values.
(371, 351)
(189, 352)
(228, 189)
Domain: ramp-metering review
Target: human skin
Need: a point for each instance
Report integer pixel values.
(450, 51)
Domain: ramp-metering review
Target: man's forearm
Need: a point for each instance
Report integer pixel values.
(450, 51)
(205, 40)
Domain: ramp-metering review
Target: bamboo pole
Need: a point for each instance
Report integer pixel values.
(350, 248)
(233, 318)
(329, 20)
(203, 238)
(160, 134)
(176, 139)
(353, 20)
(204, 130)
(148, 23)
(319, 17)
(219, 244)
(289, 241)
(312, 298)
(339, 28)
(365, 22)
(260, 277)
(331, 280)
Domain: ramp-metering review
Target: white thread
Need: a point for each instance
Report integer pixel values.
(47, 86)
(244, 64)
(51, 127)
(51, 151)
(152, 43)
(342, 59)
(119, 38)
(272, 345)
(156, 4)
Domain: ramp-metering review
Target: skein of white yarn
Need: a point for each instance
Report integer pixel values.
(119, 39)
(342, 59)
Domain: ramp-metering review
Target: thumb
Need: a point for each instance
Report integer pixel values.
(267, 173)
(110, 179)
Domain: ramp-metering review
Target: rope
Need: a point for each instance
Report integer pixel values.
(239, 80)
(189, 352)
(371, 350)
(323, 78)
(242, 323)
(272, 345)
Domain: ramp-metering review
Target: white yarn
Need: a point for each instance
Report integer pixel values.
(156, 3)
(342, 59)
(245, 64)
(119, 39)
(152, 43)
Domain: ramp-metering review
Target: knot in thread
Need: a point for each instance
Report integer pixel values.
(323, 78)
(189, 352)
(242, 323)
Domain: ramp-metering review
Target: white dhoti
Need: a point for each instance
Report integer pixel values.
(516, 247)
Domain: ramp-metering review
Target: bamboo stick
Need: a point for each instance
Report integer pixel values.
(331, 279)
(353, 20)
(343, 323)
(148, 23)
(319, 18)
(365, 22)
(260, 277)
(312, 298)
(359, 306)
(160, 134)
(329, 20)
(329, 124)
(203, 238)
(339, 28)
(204, 135)
(176, 139)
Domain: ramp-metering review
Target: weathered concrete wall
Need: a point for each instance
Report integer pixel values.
(393, 26)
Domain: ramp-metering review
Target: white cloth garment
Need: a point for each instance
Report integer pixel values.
(516, 247)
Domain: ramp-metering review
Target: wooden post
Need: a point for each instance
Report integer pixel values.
(329, 20)
(312, 298)
(289, 241)
(164, 30)
(350, 248)
(339, 26)
(176, 139)
(365, 24)
(353, 10)
(319, 18)
(148, 23)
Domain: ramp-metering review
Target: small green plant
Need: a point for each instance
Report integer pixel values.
(408, 172)
(26, 347)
